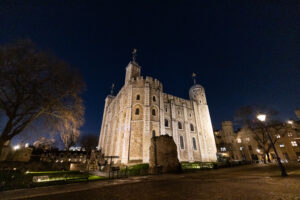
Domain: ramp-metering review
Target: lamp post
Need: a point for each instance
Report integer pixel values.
(262, 118)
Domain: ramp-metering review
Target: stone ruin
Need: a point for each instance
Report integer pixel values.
(163, 155)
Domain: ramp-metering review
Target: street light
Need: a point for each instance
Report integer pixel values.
(290, 122)
(262, 118)
(16, 147)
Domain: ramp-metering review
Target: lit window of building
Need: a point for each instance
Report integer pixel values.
(290, 134)
(258, 150)
(294, 143)
(281, 145)
(247, 139)
(239, 140)
(278, 136)
(241, 148)
(223, 148)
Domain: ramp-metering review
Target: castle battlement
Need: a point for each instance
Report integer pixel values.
(141, 81)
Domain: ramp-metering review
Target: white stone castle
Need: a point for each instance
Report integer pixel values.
(142, 110)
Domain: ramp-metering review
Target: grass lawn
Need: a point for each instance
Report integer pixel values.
(17, 179)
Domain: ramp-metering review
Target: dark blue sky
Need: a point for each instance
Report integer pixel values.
(244, 52)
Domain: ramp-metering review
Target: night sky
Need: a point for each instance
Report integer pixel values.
(244, 52)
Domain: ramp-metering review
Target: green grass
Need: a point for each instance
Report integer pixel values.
(197, 165)
(136, 170)
(16, 179)
(51, 172)
(94, 177)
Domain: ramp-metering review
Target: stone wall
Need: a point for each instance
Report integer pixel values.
(163, 152)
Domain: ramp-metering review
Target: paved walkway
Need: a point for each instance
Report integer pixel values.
(247, 182)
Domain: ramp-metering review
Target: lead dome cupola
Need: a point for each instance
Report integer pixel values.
(197, 93)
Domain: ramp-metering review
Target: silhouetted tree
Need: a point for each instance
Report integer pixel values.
(246, 118)
(45, 144)
(89, 142)
(37, 87)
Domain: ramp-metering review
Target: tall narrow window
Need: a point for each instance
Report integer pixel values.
(192, 127)
(181, 142)
(194, 144)
(138, 97)
(137, 111)
(166, 123)
(179, 125)
(154, 99)
(153, 112)
(153, 133)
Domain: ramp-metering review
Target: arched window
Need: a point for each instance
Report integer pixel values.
(137, 111)
(166, 123)
(192, 127)
(154, 99)
(153, 112)
(179, 125)
(138, 97)
(194, 144)
(153, 133)
(181, 142)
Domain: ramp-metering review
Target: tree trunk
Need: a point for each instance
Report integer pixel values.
(2, 142)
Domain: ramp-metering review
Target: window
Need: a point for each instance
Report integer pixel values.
(153, 112)
(153, 98)
(192, 127)
(281, 145)
(137, 111)
(181, 142)
(166, 109)
(179, 113)
(241, 148)
(248, 139)
(290, 134)
(223, 148)
(194, 144)
(166, 123)
(190, 114)
(250, 147)
(239, 140)
(138, 97)
(179, 125)
(153, 133)
(294, 143)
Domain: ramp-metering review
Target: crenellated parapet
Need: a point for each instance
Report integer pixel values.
(141, 81)
(177, 100)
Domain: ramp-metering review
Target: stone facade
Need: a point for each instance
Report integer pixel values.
(141, 110)
(241, 145)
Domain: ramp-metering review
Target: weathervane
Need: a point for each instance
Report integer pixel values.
(134, 53)
(112, 89)
(194, 77)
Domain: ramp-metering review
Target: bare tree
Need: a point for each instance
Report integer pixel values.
(246, 117)
(69, 138)
(36, 87)
(45, 143)
(89, 141)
